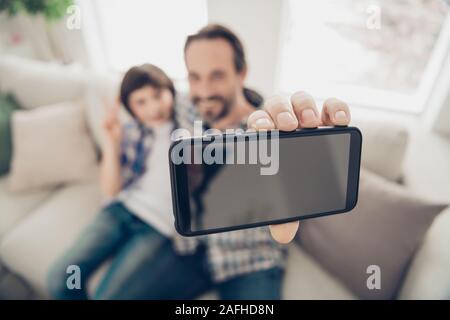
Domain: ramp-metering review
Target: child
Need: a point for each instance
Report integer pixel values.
(135, 177)
(148, 96)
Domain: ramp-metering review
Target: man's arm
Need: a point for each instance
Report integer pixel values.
(299, 111)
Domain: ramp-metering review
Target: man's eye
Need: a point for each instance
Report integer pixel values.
(217, 76)
(192, 78)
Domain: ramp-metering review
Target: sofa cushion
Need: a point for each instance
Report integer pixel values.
(384, 147)
(306, 279)
(33, 245)
(36, 83)
(15, 206)
(56, 139)
(384, 231)
(428, 276)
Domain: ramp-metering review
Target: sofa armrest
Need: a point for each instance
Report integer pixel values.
(429, 274)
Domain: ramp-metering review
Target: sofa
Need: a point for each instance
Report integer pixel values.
(37, 226)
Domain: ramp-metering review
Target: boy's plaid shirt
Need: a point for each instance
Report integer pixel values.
(230, 253)
(137, 141)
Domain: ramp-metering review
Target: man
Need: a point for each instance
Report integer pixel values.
(248, 263)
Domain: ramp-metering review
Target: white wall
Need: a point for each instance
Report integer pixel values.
(258, 24)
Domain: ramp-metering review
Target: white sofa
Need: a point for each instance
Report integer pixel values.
(36, 227)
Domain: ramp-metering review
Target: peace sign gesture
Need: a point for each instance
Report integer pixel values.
(111, 122)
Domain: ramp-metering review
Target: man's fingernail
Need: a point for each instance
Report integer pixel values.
(287, 118)
(308, 115)
(340, 115)
(263, 123)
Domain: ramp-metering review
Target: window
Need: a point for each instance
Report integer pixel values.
(384, 53)
(138, 31)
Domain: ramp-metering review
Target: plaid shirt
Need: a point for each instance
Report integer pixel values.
(136, 145)
(229, 253)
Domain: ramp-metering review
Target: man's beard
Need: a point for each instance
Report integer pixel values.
(210, 118)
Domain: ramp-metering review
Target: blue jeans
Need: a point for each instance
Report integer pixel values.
(145, 265)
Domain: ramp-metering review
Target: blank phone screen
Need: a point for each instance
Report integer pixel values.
(303, 176)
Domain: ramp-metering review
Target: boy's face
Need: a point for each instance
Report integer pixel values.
(151, 106)
(213, 79)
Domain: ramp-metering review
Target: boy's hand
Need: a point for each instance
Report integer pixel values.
(299, 112)
(111, 122)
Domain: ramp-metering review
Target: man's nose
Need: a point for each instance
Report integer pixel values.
(205, 90)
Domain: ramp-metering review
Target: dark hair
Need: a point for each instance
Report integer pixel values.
(216, 31)
(140, 76)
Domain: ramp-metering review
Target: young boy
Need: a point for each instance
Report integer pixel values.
(135, 178)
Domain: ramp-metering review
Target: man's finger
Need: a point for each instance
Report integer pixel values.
(280, 110)
(305, 109)
(285, 232)
(259, 120)
(335, 113)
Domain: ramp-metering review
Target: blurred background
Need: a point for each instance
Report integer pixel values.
(390, 60)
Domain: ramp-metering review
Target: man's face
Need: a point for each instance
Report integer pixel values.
(213, 80)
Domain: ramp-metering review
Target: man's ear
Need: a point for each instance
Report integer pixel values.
(243, 74)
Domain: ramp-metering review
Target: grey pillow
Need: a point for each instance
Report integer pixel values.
(385, 229)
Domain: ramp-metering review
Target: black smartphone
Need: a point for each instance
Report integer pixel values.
(240, 180)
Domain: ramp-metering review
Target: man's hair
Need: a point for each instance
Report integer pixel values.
(216, 31)
(141, 76)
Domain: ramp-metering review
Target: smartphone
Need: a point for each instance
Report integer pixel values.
(232, 181)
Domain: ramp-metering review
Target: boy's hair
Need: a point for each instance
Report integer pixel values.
(140, 76)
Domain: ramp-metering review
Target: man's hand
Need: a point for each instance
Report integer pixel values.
(299, 112)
